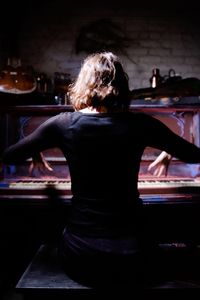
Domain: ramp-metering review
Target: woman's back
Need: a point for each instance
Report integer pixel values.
(103, 152)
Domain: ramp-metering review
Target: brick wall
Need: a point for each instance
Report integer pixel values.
(46, 34)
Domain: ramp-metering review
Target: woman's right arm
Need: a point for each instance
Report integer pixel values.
(159, 136)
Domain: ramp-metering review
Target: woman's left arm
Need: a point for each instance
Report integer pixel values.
(42, 138)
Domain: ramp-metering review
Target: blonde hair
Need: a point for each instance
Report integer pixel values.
(100, 82)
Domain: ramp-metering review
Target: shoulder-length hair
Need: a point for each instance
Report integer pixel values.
(101, 81)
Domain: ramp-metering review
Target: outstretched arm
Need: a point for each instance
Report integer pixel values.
(159, 136)
(160, 164)
(44, 137)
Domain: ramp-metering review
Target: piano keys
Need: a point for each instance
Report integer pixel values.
(152, 190)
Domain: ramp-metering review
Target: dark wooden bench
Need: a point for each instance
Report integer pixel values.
(45, 279)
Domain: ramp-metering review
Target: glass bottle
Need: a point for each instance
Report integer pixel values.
(156, 78)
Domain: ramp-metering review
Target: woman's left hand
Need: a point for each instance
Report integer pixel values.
(39, 165)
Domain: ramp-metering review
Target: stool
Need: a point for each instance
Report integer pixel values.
(44, 279)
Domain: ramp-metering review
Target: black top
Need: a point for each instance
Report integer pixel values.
(103, 152)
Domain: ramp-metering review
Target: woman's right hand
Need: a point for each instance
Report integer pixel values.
(160, 164)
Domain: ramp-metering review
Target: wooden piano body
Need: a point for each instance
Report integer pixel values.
(171, 204)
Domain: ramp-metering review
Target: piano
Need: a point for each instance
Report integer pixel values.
(171, 202)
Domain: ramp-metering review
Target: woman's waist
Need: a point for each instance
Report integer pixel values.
(102, 195)
(127, 243)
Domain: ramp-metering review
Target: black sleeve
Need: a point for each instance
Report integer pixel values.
(161, 137)
(44, 137)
